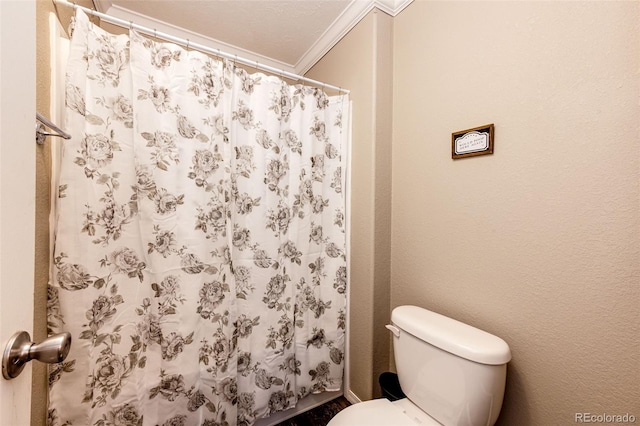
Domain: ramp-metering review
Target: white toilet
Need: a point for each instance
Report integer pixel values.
(452, 374)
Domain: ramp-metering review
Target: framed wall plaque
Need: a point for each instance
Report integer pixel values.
(472, 142)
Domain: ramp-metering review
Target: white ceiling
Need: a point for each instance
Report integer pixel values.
(291, 35)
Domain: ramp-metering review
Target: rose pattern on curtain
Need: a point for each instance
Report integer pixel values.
(200, 258)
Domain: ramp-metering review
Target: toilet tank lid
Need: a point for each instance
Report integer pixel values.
(452, 336)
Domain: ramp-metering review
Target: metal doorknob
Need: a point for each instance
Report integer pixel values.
(20, 350)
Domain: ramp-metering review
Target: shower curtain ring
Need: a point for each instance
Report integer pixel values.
(130, 25)
(188, 44)
(155, 33)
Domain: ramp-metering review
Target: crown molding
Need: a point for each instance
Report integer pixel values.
(392, 7)
(349, 18)
(102, 5)
(344, 23)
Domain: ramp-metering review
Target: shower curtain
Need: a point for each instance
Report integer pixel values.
(200, 244)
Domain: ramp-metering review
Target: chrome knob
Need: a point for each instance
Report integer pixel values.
(20, 350)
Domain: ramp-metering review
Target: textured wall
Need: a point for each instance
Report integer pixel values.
(540, 242)
(43, 184)
(362, 62)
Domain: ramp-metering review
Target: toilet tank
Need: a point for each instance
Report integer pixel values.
(454, 372)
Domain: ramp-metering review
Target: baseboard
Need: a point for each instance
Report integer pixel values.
(305, 404)
(352, 397)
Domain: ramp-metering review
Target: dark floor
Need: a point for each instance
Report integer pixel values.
(319, 416)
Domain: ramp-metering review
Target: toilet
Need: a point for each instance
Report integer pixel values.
(453, 374)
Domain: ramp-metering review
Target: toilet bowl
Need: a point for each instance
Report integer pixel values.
(382, 412)
(452, 373)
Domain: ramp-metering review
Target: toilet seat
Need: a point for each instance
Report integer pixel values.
(382, 412)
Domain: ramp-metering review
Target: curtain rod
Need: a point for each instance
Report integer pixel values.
(197, 46)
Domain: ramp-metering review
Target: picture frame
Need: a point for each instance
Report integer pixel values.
(472, 142)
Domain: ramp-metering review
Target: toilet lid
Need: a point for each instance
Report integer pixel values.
(379, 412)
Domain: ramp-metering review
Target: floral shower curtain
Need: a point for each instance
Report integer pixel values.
(200, 247)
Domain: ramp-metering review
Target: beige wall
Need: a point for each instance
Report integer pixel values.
(538, 243)
(362, 62)
(43, 166)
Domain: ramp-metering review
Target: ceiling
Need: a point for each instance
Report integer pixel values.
(291, 35)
